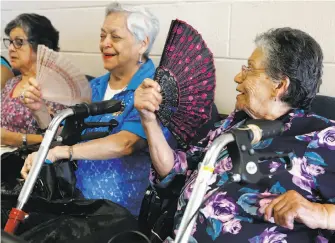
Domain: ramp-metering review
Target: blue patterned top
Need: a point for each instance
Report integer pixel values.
(121, 180)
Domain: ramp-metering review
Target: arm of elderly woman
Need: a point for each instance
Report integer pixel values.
(16, 139)
(292, 206)
(147, 101)
(114, 146)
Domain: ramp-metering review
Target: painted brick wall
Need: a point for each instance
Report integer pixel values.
(229, 28)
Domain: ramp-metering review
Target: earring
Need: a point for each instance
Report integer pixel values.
(140, 60)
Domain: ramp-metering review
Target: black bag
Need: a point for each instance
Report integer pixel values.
(11, 165)
(67, 220)
(158, 208)
(55, 181)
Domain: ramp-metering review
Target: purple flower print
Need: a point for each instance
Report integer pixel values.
(303, 173)
(213, 134)
(269, 236)
(232, 226)
(327, 138)
(188, 190)
(315, 170)
(223, 165)
(321, 239)
(274, 166)
(221, 208)
(265, 201)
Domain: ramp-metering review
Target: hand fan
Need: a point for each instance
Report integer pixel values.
(59, 79)
(186, 74)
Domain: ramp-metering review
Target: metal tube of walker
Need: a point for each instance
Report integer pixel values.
(199, 190)
(41, 155)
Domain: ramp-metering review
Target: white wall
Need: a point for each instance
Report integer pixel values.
(229, 28)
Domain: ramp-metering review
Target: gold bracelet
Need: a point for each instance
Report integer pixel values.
(70, 153)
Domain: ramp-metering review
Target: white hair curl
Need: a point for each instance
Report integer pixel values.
(140, 22)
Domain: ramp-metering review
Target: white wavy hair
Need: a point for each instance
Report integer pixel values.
(140, 22)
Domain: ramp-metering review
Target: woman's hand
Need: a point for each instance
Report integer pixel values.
(147, 99)
(28, 163)
(291, 206)
(32, 96)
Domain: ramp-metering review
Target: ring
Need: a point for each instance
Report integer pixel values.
(22, 95)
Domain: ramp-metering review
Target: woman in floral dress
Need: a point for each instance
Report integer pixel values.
(19, 124)
(280, 82)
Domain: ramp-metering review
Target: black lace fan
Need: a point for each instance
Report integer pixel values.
(186, 74)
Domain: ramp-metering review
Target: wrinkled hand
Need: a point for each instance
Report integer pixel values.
(32, 96)
(147, 99)
(28, 163)
(291, 206)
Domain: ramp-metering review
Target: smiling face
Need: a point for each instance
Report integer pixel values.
(23, 58)
(118, 46)
(257, 89)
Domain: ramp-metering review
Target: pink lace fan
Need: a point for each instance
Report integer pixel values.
(59, 79)
(186, 74)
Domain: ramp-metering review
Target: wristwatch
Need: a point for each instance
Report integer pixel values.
(24, 140)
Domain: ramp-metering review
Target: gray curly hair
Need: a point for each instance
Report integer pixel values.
(296, 55)
(140, 22)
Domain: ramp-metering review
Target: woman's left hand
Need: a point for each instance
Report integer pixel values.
(291, 206)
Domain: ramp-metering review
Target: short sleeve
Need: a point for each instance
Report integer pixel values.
(132, 123)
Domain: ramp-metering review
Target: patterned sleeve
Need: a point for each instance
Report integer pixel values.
(320, 156)
(132, 123)
(179, 168)
(186, 162)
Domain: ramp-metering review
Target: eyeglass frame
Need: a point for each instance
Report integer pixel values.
(245, 70)
(25, 41)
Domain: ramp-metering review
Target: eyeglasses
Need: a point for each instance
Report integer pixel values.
(246, 70)
(17, 42)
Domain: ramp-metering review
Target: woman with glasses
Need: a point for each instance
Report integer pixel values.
(297, 205)
(19, 124)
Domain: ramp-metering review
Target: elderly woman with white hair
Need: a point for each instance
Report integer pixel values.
(116, 167)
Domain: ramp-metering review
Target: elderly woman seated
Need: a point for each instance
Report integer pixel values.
(116, 167)
(281, 80)
(19, 124)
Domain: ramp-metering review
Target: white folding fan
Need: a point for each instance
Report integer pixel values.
(59, 79)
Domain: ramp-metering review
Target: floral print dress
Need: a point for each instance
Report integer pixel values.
(15, 116)
(235, 212)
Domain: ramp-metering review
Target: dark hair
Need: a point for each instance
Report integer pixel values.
(38, 28)
(295, 54)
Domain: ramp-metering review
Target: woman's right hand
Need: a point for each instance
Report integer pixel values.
(32, 96)
(147, 99)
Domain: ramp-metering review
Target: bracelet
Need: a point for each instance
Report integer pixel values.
(70, 153)
(24, 140)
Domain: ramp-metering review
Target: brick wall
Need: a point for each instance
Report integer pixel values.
(229, 28)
